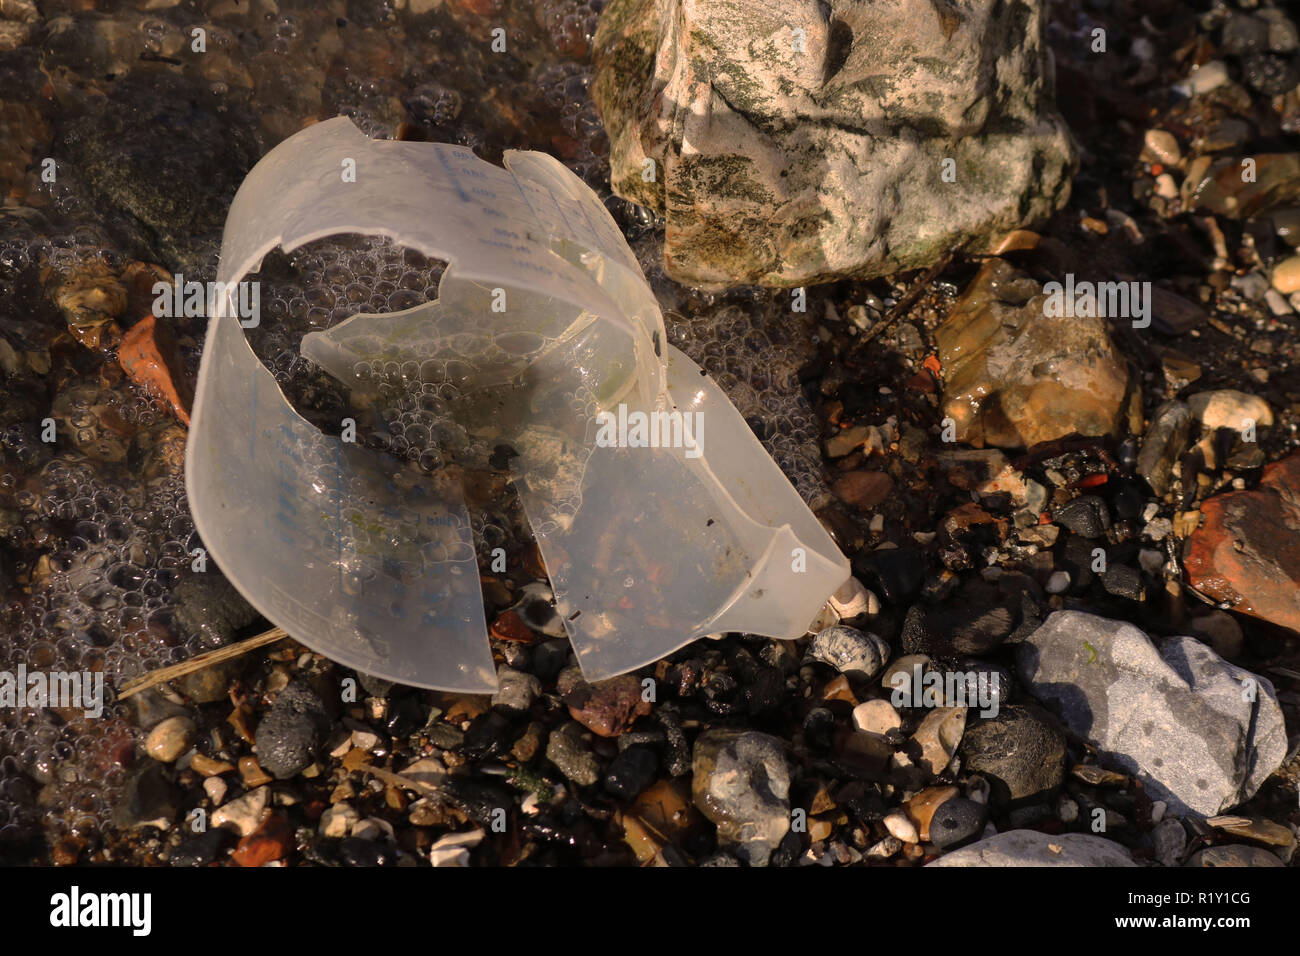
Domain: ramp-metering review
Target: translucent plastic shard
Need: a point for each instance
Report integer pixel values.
(545, 337)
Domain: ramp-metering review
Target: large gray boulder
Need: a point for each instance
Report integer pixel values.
(1201, 734)
(799, 141)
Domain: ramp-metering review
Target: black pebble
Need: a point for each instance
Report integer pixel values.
(1244, 34)
(1087, 516)
(357, 852)
(1128, 499)
(202, 848)
(406, 713)
(1123, 581)
(488, 735)
(897, 573)
(957, 822)
(631, 772)
(1270, 74)
(292, 731)
(819, 728)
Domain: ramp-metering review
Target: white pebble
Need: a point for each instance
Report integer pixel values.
(244, 814)
(367, 829)
(338, 820)
(1277, 303)
(1058, 583)
(876, 717)
(1207, 77)
(1159, 146)
(902, 828)
(453, 849)
(215, 788)
(1158, 529)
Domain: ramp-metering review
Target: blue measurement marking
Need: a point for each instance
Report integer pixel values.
(451, 173)
(518, 185)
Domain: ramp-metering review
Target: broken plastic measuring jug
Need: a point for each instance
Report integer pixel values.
(546, 338)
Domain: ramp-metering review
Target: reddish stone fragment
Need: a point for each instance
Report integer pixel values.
(149, 356)
(607, 707)
(269, 842)
(1247, 551)
(509, 626)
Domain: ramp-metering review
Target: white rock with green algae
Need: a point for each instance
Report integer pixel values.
(802, 141)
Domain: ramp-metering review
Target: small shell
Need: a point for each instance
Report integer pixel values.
(852, 599)
(850, 651)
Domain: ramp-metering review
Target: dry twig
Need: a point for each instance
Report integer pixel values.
(173, 671)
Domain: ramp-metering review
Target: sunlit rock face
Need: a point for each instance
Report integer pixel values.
(797, 142)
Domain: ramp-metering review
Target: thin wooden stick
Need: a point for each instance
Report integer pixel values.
(406, 783)
(173, 671)
(910, 297)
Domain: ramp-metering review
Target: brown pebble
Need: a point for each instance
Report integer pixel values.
(666, 806)
(66, 852)
(461, 707)
(238, 719)
(1017, 240)
(837, 688)
(529, 743)
(208, 767)
(863, 489)
(920, 809)
(509, 626)
(252, 772)
(1098, 776)
(606, 707)
(355, 759)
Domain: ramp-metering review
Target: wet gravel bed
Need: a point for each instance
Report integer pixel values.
(741, 750)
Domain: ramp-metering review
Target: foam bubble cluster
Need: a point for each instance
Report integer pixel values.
(754, 353)
(95, 535)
